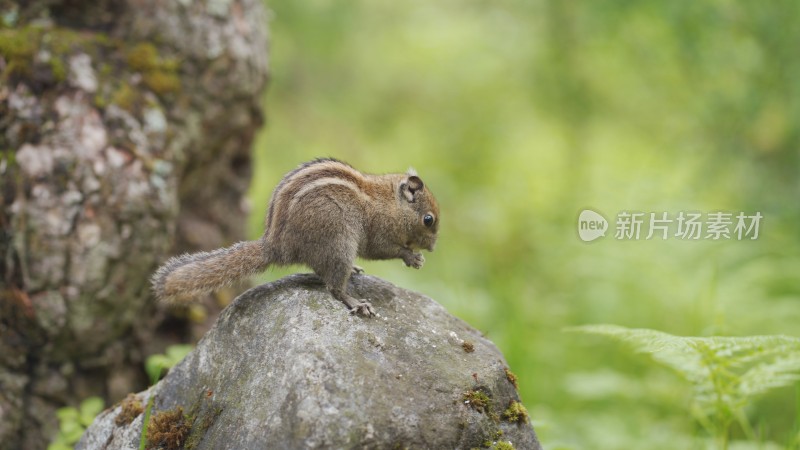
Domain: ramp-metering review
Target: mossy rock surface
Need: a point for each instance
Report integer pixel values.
(287, 366)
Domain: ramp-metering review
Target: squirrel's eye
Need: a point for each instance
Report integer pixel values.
(427, 220)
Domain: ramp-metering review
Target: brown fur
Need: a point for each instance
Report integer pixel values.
(323, 214)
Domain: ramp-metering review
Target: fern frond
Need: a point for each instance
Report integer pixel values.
(781, 372)
(725, 372)
(672, 351)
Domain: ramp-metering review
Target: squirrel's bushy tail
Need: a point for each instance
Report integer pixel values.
(182, 278)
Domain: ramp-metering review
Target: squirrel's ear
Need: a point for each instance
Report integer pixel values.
(410, 187)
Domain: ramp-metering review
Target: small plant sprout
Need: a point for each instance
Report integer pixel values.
(74, 421)
(156, 365)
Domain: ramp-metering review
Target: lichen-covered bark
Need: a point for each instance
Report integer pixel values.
(120, 123)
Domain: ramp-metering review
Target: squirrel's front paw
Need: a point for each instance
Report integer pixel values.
(357, 269)
(364, 309)
(415, 260)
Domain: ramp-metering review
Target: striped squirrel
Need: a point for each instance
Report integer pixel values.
(323, 214)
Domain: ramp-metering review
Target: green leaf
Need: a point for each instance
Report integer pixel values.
(59, 446)
(177, 352)
(70, 432)
(92, 406)
(147, 412)
(74, 435)
(155, 365)
(67, 413)
(67, 427)
(726, 372)
(59, 439)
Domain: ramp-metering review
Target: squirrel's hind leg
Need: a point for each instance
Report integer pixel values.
(335, 274)
(355, 305)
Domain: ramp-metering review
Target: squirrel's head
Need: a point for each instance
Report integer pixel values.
(423, 224)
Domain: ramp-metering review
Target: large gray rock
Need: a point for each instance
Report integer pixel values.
(286, 366)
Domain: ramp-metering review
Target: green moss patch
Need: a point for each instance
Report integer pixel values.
(160, 74)
(168, 429)
(478, 400)
(38, 55)
(131, 408)
(202, 415)
(516, 412)
(511, 378)
(20, 47)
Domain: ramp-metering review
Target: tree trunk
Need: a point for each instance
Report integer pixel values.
(125, 130)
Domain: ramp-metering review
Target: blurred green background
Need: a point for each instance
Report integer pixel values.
(518, 115)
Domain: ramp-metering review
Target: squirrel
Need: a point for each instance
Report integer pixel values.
(322, 214)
